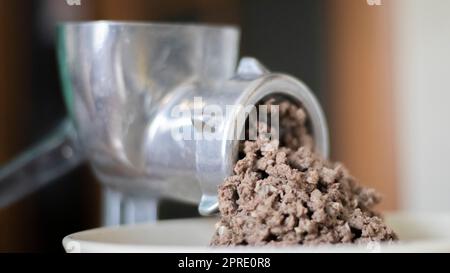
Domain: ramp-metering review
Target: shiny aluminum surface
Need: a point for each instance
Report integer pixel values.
(122, 81)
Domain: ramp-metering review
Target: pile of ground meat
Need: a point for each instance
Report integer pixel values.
(282, 193)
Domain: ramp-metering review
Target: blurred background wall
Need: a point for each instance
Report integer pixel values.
(422, 67)
(360, 102)
(378, 71)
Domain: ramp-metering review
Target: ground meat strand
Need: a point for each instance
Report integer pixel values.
(282, 193)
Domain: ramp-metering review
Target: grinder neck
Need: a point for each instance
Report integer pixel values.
(252, 83)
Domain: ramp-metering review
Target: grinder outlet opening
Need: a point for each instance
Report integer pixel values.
(292, 125)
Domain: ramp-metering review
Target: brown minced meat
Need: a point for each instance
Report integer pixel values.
(282, 193)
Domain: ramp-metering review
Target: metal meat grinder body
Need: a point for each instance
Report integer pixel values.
(121, 83)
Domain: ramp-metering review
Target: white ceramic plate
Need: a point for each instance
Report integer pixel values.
(418, 233)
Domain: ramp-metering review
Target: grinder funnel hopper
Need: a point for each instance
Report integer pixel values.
(121, 83)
